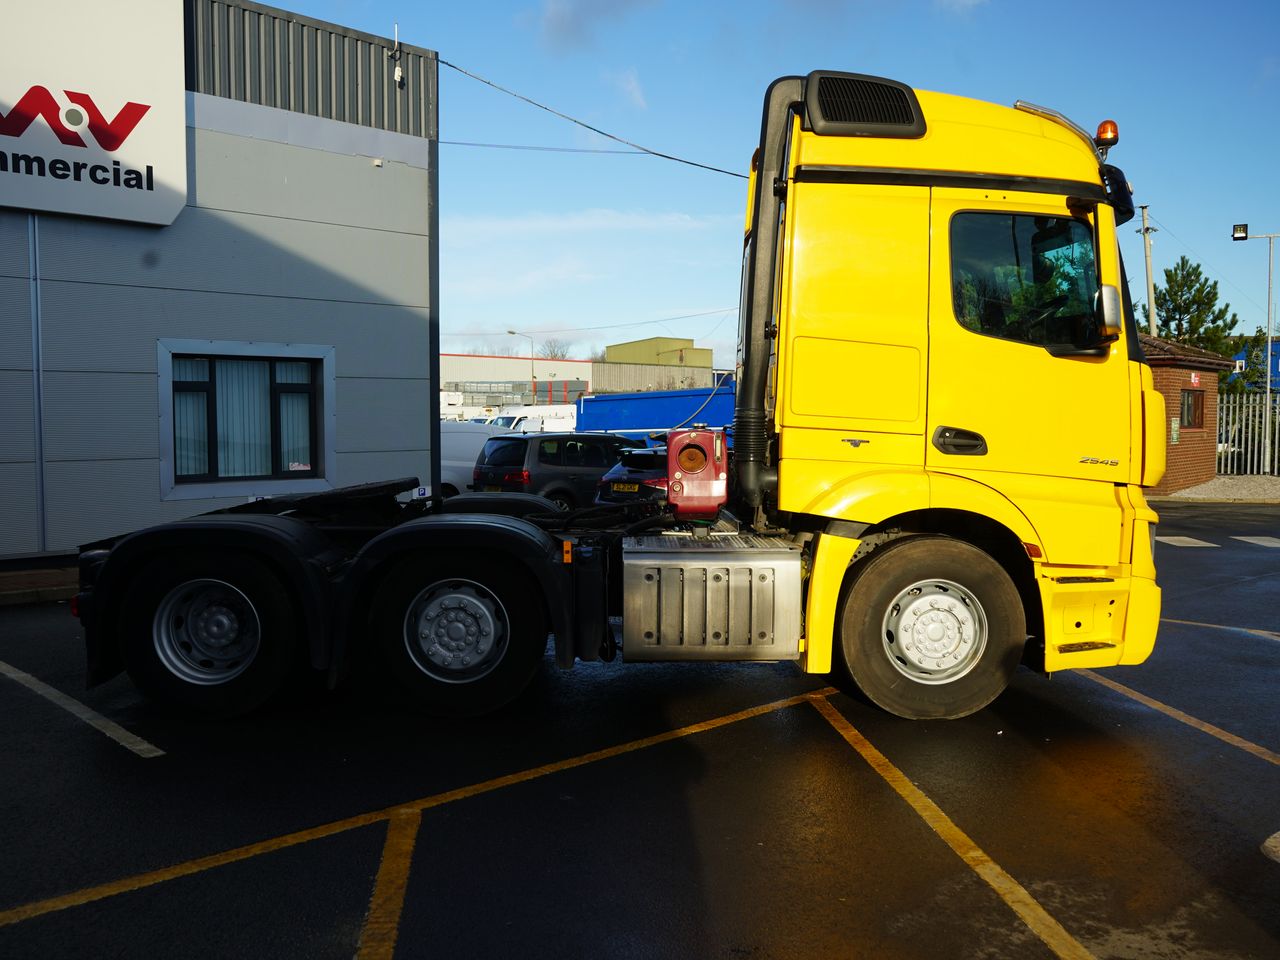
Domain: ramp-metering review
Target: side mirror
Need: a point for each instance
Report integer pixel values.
(1112, 313)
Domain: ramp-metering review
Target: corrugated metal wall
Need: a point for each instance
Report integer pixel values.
(632, 377)
(257, 54)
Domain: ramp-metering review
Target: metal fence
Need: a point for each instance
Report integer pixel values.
(1241, 448)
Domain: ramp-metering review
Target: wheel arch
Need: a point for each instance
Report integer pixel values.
(559, 488)
(1003, 544)
(298, 554)
(505, 537)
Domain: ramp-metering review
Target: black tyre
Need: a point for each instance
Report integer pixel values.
(932, 628)
(211, 633)
(460, 636)
(562, 500)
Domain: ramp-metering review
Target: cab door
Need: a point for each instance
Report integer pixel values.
(1025, 393)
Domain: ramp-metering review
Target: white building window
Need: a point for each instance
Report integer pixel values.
(249, 419)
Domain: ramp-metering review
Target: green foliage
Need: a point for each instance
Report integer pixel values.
(1187, 311)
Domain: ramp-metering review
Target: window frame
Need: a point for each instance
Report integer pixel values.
(1197, 410)
(323, 419)
(1090, 222)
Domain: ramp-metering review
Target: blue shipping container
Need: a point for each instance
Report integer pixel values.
(640, 414)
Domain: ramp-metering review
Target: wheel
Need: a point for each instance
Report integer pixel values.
(562, 500)
(462, 636)
(448, 490)
(211, 633)
(932, 628)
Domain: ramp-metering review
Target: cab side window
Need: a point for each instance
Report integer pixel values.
(1024, 277)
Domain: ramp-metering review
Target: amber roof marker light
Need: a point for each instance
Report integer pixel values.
(1108, 136)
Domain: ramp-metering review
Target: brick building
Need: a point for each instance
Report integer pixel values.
(1187, 377)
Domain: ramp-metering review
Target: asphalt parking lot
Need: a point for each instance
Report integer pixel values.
(672, 810)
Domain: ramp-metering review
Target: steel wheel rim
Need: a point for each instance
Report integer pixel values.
(206, 632)
(934, 631)
(456, 631)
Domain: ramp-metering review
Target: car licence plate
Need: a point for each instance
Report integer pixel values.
(492, 489)
(625, 487)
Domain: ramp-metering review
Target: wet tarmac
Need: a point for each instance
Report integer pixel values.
(672, 810)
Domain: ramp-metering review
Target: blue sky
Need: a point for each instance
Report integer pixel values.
(596, 248)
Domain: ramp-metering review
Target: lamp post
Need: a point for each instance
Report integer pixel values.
(1240, 231)
(533, 377)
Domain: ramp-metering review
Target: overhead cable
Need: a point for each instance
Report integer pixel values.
(528, 146)
(565, 116)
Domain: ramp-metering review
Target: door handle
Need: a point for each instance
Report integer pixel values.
(962, 443)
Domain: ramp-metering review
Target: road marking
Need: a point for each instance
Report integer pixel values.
(140, 881)
(1184, 542)
(1261, 752)
(382, 925)
(1252, 631)
(1271, 847)
(1260, 541)
(1008, 889)
(96, 720)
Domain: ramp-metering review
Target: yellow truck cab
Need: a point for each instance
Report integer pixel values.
(939, 375)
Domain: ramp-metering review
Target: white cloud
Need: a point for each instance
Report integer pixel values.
(582, 270)
(497, 280)
(629, 83)
(569, 24)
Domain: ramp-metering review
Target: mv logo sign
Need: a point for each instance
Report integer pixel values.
(103, 133)
(71, 122)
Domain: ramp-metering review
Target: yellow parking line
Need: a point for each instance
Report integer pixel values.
(382, 926)
(1260, 752)
(90, 894)
(1008, 889)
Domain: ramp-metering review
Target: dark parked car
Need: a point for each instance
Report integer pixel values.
(641, 474)
(564, 467)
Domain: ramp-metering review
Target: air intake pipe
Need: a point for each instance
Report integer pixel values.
(750, 423)
(833, 104)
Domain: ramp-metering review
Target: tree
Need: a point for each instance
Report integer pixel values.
(554, 349)
(1187, 310)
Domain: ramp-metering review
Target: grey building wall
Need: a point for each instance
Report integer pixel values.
(17, 389)
(298, 229)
